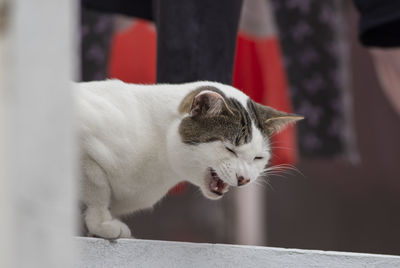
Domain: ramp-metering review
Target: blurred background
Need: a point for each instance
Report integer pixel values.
(315, 58)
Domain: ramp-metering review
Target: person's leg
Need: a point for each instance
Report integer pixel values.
(196, 39)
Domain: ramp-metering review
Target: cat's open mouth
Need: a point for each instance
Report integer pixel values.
(217, 186)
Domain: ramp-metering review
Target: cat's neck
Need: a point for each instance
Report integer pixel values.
(162, 102)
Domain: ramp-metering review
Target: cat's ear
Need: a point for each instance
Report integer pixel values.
(274, 121)
(207, 103)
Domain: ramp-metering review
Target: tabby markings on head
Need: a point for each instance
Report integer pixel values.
(232, 122)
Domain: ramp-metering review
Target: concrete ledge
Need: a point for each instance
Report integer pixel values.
(147, 253)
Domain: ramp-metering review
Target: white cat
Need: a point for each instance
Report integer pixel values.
(138, 141)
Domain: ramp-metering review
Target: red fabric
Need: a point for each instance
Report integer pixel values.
(258, 71)
(133, 54)
(260, 74)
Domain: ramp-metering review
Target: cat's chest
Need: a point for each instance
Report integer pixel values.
(141, 190)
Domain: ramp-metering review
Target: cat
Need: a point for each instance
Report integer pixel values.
(138, 141)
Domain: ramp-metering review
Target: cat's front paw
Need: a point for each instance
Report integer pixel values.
(112, 229)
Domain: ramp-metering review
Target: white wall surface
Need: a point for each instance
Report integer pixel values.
(146, 253)
(37, 141)
(5, 211)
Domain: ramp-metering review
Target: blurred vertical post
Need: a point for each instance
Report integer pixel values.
(250, 217)
(6, 216)
(37, 152)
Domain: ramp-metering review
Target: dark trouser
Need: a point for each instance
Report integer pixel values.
(195, 38)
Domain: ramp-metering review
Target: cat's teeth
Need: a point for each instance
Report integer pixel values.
(213, 184)
(216, 184)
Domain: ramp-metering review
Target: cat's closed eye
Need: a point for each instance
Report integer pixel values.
(231, 151)
(258, 158)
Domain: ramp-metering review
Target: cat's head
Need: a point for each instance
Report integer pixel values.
(225, 141)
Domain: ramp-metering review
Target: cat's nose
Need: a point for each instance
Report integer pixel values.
(242, 181)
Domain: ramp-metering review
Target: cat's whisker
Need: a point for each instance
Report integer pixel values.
(276, 173)
(281, 170)
(259, 183)
(281, 147)
(265, 182)
(279, 176)
(285, 168)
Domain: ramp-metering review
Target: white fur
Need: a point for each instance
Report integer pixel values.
(132, 154)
